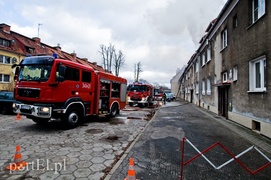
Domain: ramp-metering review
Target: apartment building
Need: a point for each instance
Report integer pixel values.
(14, 47)
(230, 72)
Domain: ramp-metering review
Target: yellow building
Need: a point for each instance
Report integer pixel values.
(14, 47)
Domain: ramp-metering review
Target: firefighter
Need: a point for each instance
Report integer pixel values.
(164, 98)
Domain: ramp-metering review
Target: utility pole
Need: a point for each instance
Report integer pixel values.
(39, 29)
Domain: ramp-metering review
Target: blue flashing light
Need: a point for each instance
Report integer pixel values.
(54, 55)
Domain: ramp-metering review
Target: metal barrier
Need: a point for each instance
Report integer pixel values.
(201, 153)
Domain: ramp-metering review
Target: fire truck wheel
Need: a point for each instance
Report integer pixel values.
(114, 110)
(131, 104)
(71, 118)
(4, 111)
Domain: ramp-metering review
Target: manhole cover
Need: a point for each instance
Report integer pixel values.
(94, 131)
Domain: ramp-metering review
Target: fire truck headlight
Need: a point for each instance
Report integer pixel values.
(44, 109)
(15, 106)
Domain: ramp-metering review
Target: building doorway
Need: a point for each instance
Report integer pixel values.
(223, 96)
(191, 96)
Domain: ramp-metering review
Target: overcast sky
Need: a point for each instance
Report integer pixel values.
(161, 34)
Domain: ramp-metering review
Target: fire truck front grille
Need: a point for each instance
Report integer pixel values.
(136, 98)
(32, 93)
(26, 111)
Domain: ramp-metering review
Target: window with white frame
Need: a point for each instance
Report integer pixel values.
(208, 86)
(234, 77)
(257, 73)
(225, 77)
(209, 54)
(4, 42)
(4, 78)
(224, 39)
(197, 88)
(203, 61)
(258, 9)
(203, 87)
(5, 59)
(197, 66)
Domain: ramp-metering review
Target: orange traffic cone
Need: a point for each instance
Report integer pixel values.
(18, 117)
(131, 171)
(18, 163)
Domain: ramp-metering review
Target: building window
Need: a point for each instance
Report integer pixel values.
(225, 77)
(4, 42)
(235, 73)
(258, 9)
(197, 66)
(257, 73)
(5, 59)
(209, 86)
(30, 50)
(203, 60)
(4, 78)
(203, 87)
(197, 88)
(208, 54)
(234, 22)
(224, 38)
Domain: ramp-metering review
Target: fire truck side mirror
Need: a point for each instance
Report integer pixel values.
(17, 69)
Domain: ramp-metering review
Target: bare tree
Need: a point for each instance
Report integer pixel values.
(119, 61)
(108, 55)
(137, 70)
(112, 58)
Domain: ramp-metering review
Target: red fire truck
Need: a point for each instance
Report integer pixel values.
(49, 88)
(140, 93)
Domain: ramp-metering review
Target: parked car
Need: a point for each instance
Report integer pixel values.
(170, 96)
(6, 101)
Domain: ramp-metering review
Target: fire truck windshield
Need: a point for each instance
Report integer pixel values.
(138, 88)
(34, 72)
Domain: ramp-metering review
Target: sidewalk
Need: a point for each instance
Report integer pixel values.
(157, 153)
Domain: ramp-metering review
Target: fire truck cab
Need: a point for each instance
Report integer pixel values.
(49, 88)
(140, 93)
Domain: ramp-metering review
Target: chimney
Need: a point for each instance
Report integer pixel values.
(85, 59)
(58, 48)
(94, 63)
(73, 55)
(5, 28)
(36, 39)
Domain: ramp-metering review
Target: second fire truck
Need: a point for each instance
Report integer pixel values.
(141, 94)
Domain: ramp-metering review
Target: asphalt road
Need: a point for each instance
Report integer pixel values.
(86, 152)
(158, 154)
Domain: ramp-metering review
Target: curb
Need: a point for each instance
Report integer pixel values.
(125, 154)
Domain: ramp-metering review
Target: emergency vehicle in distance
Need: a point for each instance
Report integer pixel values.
(158, 94)
(141, 94)
(50, 88)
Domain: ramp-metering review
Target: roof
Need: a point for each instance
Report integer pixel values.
(20, 44)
